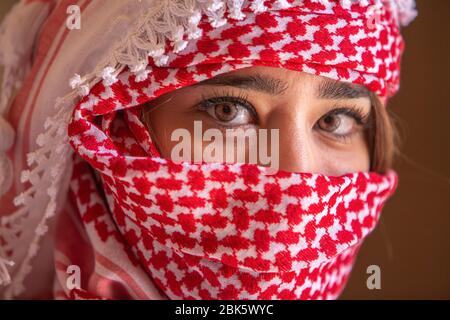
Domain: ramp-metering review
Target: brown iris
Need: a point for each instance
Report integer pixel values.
(329, 123)
(226, 112)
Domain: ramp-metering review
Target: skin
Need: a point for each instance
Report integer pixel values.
(323, 123)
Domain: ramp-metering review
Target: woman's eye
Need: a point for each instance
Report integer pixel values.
(227, 111)
(339, 124)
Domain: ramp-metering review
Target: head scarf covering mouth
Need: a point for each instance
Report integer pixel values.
(218, 231)
(174, 44)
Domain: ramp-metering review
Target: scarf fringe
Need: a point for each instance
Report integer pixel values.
(18, 32)
(177, 22)
(167, 22)
(55, 149)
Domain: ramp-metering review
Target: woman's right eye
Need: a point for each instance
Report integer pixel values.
(226, 112)
(229, 111)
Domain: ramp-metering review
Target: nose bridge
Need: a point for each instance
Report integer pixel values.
(295, 148)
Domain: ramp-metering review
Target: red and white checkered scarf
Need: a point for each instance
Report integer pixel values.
(153, 229)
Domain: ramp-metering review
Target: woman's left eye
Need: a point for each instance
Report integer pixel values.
(341, 123)
(228, 111)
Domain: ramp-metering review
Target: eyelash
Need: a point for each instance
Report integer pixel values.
(354, 112)
(361, 118)
(225, 95)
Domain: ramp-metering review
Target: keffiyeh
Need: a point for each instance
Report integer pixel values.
(150, 228)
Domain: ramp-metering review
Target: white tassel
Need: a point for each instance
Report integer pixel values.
(177, 39)
(52, 192)
(215, 12)
(5, 278)
(54, 172)
(140, 71)
(41, 140)
(258, 6)
(25, 176)
(217, 19)
(159, 56)
(282, 4)
(235, 9)
(157, 52)
(218, 22)
(194, 32)
(77, 83)
(109, 76)
(21, 199)
(60, 155)
(215, 5)
(41, 230)
(162, 61)
(29, 176)
(83, 91)
(18, 32)
(31, 158)
(142, 75)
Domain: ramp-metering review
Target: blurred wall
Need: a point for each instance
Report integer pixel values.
(412, 243)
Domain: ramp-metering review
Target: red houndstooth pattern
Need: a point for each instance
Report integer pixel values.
(347, 43)
(222, 231)
(229, 231)
(320, 38)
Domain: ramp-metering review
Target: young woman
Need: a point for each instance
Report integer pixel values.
(221, 149)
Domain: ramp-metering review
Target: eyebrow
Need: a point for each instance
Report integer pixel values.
(336, 90)
(327, 89)
(257, 82)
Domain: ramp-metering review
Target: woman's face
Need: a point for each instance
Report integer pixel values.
(321, 124)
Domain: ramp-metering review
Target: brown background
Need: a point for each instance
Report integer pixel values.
(412, 243)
